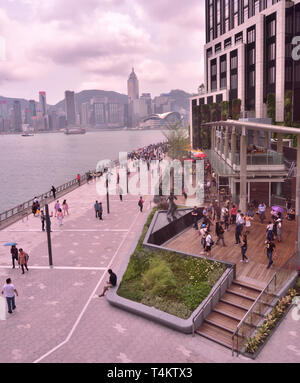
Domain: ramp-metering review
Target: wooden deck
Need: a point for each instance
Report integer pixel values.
(255, 272)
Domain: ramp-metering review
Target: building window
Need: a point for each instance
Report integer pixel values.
(297, 73)
(217, 47)
(239, 37)
(271, 75)
(233, 81)
(251, 57)
(223, 82)
(213, 68)
(209, 52)
(250, 35)
(252, 78)
(233, 62)
(227, 43)
(288, 74)
(271, 52)
(271, 28)
(210, 100)
(223, 64)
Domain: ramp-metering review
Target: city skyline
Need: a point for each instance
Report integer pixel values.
(49, 47)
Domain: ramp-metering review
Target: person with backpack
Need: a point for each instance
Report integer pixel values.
(111, 283)
(14, 255)
(219, 233)
(141, 204)
(23, 260)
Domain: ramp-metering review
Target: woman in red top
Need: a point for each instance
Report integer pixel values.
(233, 213)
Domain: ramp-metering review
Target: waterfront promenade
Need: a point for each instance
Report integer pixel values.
(59, 317)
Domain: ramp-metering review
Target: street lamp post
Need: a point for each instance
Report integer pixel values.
(48, 229)
(107, 194)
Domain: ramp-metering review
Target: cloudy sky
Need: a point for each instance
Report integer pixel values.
(54, 45)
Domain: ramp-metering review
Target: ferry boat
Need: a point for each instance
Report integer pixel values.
(75, 130)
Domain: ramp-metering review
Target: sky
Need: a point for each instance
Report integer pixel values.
(58, 45)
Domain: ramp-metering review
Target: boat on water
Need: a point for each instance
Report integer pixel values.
(27, 135)
(75, 131)
(27, 130)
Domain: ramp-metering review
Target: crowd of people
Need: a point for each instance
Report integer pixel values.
(227, 215)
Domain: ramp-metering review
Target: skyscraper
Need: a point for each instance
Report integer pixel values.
(3, 109)
(70, 107)
(32, 108)
(133, 94)
(43, 104)
(17, 116)
(133, 87)
(84, 114)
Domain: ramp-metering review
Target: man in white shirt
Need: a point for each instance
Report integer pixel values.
(208, 241)
(261, 211)
(9, 292)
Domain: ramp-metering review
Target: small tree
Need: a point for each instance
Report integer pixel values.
(214, 112)
(236, 108)
(271, 107)
(178, 140)
(205, 113)
(225, 110)
(288, 108)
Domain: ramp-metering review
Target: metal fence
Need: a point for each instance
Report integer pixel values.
(263, 303)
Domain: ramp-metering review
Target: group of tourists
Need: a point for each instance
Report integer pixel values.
(150, 152)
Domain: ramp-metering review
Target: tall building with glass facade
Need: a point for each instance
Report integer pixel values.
(70, 107)
(248, 55)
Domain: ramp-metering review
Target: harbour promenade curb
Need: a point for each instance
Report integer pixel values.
(59, 317)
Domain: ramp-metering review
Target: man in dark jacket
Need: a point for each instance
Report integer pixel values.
(53, 192)
(14, 255)
(111, 283)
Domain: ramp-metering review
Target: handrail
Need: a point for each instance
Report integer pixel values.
(217, 289)
(274, 277)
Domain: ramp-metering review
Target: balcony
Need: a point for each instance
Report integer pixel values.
(268, 158)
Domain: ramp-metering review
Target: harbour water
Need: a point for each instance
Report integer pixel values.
(30, 165)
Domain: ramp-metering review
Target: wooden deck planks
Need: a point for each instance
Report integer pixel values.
(255, 271)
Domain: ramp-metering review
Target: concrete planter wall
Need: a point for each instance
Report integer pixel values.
(176, 323)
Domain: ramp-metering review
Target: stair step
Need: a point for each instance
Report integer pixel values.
(240, 294)
(227, 314)
(215, 334)
(223, 321)
(237, 312)
(241, 283)
(236, 300)
(244, 290)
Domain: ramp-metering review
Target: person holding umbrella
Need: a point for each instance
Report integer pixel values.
(13, 251)
(14, 255)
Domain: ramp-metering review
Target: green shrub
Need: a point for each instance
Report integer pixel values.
(178, 309)
(193, 294)
(236, 108)
(271, 107)
(159, 279)
(225, 110)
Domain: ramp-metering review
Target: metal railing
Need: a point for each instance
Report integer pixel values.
(226, 277)
(268, 158)
(281, 201)
(25, 207)
(264, 302)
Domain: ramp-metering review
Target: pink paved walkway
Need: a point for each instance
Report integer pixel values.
(59, 317)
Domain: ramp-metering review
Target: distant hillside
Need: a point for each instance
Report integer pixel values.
(87, 95)
(181, 97)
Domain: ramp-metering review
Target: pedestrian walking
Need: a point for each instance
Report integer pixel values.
(244, 248)
(56, 208)
(219, 233)
(9, 291)
(233, 213)
(270, 235)
(248, 220)
(195, 216)
(270, 246)
(209, 242)
(43, 220)
(53, 192)
(65, 207)
(14, 255)
(262, 211)
(23, 260)
(279, 230)
(96, 207)
(111, 283)
(60, 217)
(100, 211)
(78, 179)
(238, 232)
(121, 193)
(141, 204)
